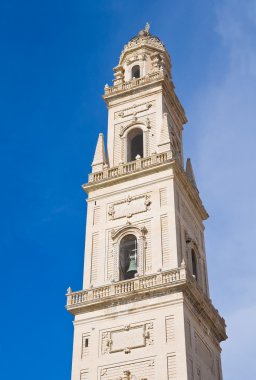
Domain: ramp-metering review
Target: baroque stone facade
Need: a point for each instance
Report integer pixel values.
(144, 312)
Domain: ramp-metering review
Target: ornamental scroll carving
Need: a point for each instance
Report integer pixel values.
(146, 125)
(140, 41)
(127, 338)
(135, 370)
(128, 376)
(133, 111)
(129, 206)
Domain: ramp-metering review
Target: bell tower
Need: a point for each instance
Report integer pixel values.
(144, 312)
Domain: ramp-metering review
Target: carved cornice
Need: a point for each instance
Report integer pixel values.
(144, 40)
(140, 230)
(149, 81)
(159, 162)
(133, 123)
(149, 286)
(126, 88)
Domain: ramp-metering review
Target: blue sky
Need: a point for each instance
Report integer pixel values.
(56, 57)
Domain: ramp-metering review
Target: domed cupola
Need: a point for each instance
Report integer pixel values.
(143, 55)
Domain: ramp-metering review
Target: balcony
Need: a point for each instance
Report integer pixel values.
(133, 83)
(131, 167)
(137, 285)
(161, 283)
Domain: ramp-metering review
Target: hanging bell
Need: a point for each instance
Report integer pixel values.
(132, 265)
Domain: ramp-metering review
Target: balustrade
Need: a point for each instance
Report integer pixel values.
(126, 287)
(130, 167)
(133, 83)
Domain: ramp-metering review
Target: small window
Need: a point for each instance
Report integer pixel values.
(136, 71)
(194, 264)
(128, 257)
(134, 144)
(85, 345)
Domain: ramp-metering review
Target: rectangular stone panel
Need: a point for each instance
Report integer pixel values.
(163, 197)
(96, 215)
(95, 257)
(171, 367)
(169, 325)
(127, 338)
(165, 242)
(132, 338)
(129, 206)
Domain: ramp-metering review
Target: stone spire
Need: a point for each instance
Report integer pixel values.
(100, 155)
(190, 172)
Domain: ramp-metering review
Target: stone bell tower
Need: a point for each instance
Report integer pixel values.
(144, 312)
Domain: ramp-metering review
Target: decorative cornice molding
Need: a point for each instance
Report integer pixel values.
(124, 229)
(144, 287)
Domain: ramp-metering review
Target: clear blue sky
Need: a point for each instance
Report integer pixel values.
(56, 57)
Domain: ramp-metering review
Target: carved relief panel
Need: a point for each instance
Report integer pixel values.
(127, 338)
(134, 110)
(135, 370)
(129, 206)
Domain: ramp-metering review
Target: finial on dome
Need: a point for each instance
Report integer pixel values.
(145, 31)
(147, 27)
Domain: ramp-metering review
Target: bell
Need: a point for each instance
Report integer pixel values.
(132, 265)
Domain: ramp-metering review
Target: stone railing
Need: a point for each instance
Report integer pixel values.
(123, 288)
(109, 90)
(130, 167)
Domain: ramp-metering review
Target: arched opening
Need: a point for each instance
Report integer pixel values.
(134, 144)
(194, 264)
(128, 257)
(136, 71)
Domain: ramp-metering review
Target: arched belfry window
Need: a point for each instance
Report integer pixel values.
(136, 71)
(134, 144)
(128, 257)
(194, 264)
